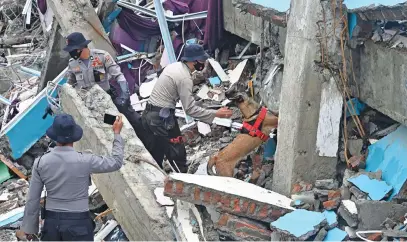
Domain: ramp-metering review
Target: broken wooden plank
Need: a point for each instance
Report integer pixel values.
(12, 167)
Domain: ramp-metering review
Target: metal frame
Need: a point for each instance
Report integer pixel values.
(152, 13)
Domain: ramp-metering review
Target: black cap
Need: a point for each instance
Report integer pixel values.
(76, 41)
(194, 52)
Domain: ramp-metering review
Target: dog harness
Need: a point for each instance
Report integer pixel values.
(254, 130)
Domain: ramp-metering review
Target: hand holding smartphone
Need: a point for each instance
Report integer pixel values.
(109, 119)
(116, 121)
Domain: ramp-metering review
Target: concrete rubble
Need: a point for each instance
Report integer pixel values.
(368, 192)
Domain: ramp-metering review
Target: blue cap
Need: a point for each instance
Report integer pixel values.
(194, 52)
(64, 130)
(76, 41)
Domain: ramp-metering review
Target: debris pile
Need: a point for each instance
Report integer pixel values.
(238, 210)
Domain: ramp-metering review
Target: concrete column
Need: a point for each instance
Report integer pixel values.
(56, 60)
(79, 16)
(297, 157)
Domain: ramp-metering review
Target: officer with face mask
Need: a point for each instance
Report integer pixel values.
(88, 67)
(175, 83)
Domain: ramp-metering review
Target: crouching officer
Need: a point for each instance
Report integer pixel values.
(65, 174)
(175, 83)
(88, 67)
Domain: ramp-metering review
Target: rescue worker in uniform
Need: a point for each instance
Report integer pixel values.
(175, 83)
(88, 67)
(65, 174)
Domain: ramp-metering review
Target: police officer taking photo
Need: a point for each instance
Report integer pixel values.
(65, 174)
(88, 67)
(175, 83)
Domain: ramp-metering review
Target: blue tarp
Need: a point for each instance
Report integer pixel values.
(389, 155)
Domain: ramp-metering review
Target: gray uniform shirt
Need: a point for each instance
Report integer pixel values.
(65, 174)
(175, 83)
(101, 61)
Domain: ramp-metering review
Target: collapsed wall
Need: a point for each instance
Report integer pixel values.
(258, 26)
(380, 74)
(129, 191)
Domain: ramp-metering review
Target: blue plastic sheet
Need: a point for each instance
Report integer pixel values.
(335, 235)
(389, 155)
(270, 149)
(331, 218)
(375, 189)
(357, 105)
(215, 81)
(299, 222)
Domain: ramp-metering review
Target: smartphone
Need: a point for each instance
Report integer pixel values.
(109, 119)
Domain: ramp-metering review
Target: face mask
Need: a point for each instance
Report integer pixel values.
(199, 66)
(75, 54)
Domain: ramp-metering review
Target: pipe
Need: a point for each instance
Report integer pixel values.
(358, 233)
(152, 13)
(30, 71)
(5, 100)
(101, 235)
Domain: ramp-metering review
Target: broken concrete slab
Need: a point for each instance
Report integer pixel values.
(358, 193)
(388, 224)
(161, 199)
(321, 235)
(351, 232)
(348, 174)
(349, 213)
(375, 189)
(371, 214)
(129, 191)
(299, 224)
(183, 223)
(327, 184)
(355, 146)
(228, 195)
(242, 229)
(335, 235)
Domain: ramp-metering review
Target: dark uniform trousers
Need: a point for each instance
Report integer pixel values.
(67, 226)
(134, 118)
(161, 131)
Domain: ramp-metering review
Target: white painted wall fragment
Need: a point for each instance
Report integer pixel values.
(329, 120)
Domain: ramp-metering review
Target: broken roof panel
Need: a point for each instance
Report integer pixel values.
(386, 10)
(352, 4)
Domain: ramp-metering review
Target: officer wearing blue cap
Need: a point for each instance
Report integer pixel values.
(65, 174)
(88, 67)
(175, 83)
